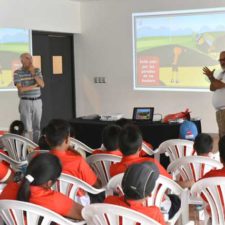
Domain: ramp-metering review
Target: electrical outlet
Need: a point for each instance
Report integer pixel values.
(99, 80)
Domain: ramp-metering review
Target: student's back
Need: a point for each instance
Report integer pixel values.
(75, 165)
(110, 140)
(137, 184)
(218, 172)
(58, 138)
(41, 174)
(130, 142)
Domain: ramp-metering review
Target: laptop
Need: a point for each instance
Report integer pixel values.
(143, 113)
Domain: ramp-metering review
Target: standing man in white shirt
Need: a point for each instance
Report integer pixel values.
(217, 85)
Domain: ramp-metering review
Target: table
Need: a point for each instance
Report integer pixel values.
(89, 131)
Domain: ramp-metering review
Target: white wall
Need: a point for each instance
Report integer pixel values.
(48, 15)
(105, 49)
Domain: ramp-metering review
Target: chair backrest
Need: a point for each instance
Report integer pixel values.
(15, 165)
(80, 146)
(108, 214)
(213, 189)
(175, 148)
(192, 167)
(70, 186)
(32, 154)
(101, 163)
(17, 212)
(2, 186)
(147, 149)
(17, 146)
(163, 186)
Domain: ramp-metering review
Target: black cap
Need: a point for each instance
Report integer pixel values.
(139, 180)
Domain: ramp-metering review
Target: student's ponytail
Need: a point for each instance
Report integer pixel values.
(43, 168)
(24, 191)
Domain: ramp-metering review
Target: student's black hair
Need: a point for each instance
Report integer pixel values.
(130, 140)
(42, 168)
(110, 137)
(72, 131)
(17, 127)
(203, 143)
(56, 132)
(222, 149)
(42, 143)
(123, 122)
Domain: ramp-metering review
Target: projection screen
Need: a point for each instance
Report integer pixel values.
(13, 42)
(170, 48)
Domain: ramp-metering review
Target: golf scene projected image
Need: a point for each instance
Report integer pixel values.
(13, 42)
(170, 48)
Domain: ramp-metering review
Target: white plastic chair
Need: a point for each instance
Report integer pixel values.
(163, 186)
(70, 186)
(147, 149)
(108, 214)
(80, 146)
(101, 163)
(36, 152)
(192, 167)
(15, 165)
(214, 191)
(2, 186)
(17, 212)
(175, 148)
(17, 146)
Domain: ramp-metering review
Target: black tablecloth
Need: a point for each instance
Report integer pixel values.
(89, 131)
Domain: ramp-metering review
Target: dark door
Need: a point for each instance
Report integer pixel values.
(58, 94)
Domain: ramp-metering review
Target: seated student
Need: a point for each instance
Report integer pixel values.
(6, 174)
(203, 145)
(41, 174)
(17, 127)
(130, 142)
(188, 130)
(58, 138)
(110, 140)
(218, 172)
(122, 123)
(42, 144)
(137, 184)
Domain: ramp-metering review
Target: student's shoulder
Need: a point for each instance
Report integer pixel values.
(112, 200)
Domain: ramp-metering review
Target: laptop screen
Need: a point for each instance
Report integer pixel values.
(143, 113)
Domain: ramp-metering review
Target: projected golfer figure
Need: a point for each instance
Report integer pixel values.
(177, 52)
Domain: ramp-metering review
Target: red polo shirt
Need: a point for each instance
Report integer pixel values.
(215, 173)
(114, 152)
(5, 170)
(152, 211)
(126, 161)
(47, 198)
(75, 165)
